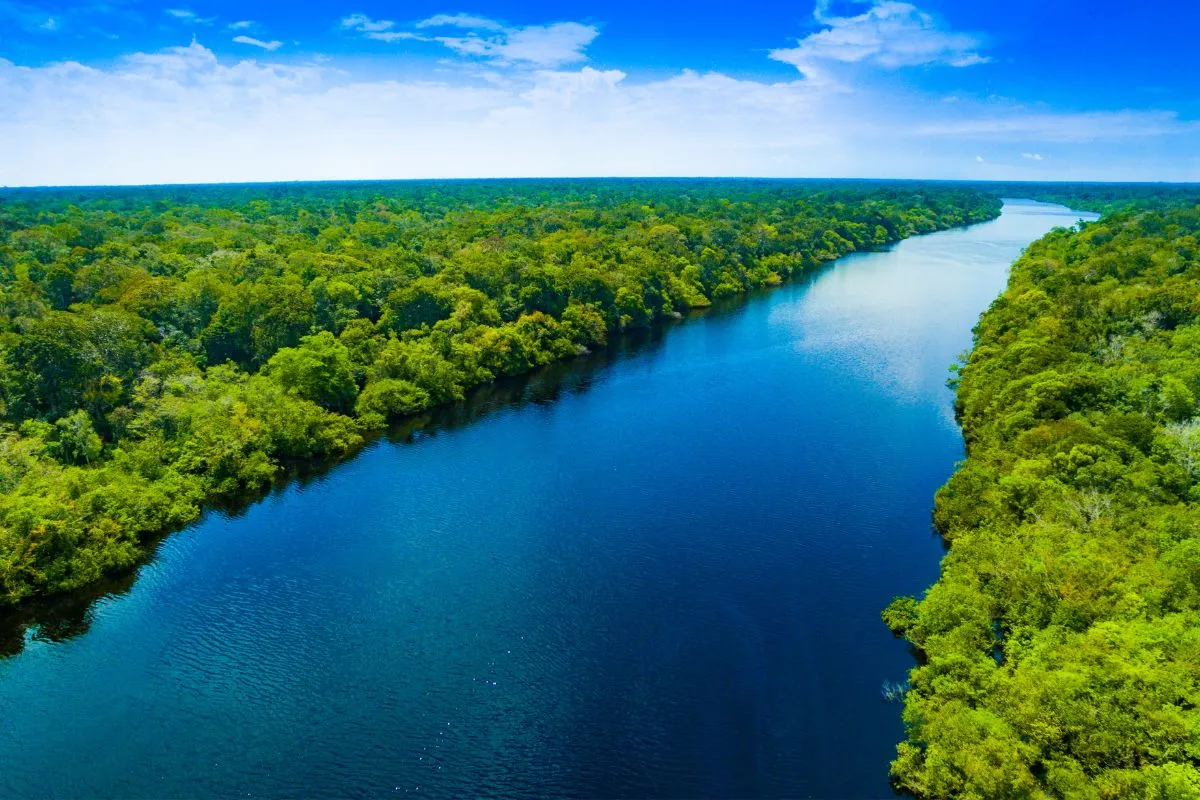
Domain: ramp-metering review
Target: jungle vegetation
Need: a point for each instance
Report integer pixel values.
(1060, 649)
(163, 349)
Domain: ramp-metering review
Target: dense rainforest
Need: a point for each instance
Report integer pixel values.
(162, 349)
(1060, 649)
(165, 349)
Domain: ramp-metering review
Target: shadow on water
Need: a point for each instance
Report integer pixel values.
(60, 617)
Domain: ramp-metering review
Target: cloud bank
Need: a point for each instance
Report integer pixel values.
(187, 115)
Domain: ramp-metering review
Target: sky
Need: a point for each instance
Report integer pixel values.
(128, 92)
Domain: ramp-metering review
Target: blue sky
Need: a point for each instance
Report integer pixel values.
(118, 91)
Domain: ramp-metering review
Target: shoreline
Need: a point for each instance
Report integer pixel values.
(64, 614)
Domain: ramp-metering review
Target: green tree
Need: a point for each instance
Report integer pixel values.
(319, 369)
(77, 441)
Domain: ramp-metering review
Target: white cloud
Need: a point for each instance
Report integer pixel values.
(250, 40)
(364, 24)
(890, 34)
(465, 21)
(1033, 156)
(186, 15)
(241, 25)
(550, 45)
(181, 13)
(394, 36)
(539, 45)
(381, 30)
(979, 159)
(184, 115)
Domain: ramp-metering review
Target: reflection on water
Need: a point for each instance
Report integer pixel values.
(656, 572)
(879, 311)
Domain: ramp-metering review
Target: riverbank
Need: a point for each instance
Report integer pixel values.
(217, 362)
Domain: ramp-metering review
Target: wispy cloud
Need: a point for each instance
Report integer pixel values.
(1033, 156)
(250, 40)
(538, 45)
(187, 15)
(241, 25)
(465, 21)
(381, 30)
(1014, 123)
(364, 24)
(890, 35)
(394, 36)
(543, 46)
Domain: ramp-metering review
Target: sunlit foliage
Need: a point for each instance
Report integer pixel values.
(1061, 646)
(161, 349)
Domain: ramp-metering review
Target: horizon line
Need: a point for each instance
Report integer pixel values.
(581, 178)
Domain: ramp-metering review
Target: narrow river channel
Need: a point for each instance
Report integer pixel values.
(656, 572)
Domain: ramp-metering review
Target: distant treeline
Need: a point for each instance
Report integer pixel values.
(1102, 198)
(166, 348)
(1061, 646)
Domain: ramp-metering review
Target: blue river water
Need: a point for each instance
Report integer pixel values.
(657, 571)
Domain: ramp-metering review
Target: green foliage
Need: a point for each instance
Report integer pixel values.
(391, 397)
(318, 369)
(76, 441)
(1061, 645)
(164, 348)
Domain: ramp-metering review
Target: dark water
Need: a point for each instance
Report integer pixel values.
(660, 575)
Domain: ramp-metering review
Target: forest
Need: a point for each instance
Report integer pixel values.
(1060, 648)
(165, 349)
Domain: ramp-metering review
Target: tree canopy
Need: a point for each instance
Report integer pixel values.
(165, 348)
(1061, 646)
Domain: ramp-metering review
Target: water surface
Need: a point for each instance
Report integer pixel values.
(658, 575)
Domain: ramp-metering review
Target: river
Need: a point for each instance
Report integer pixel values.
(653, 572)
